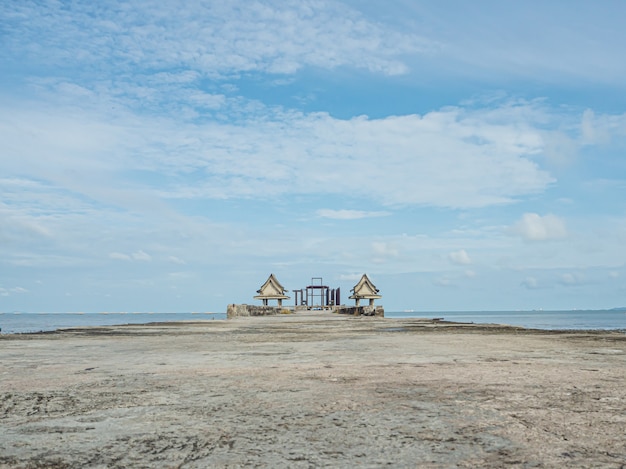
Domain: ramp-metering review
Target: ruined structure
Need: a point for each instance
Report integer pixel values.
(317, 296)
(237, 311)
(373, 311)
(365, 290)
(271, 290)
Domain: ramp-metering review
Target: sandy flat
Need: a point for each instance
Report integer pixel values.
(313, 390)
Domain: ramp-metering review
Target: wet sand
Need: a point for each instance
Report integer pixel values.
(313, 390)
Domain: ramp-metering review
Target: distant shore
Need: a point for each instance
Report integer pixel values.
(311, 390)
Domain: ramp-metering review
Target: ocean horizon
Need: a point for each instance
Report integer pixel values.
(32, 322)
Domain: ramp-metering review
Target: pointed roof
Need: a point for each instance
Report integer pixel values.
(365, 289)
(271, 289)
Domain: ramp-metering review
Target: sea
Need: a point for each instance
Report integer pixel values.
(614, 319)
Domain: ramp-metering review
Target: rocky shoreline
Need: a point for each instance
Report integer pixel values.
(313, 390)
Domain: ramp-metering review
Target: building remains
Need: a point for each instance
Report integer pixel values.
(315, 296)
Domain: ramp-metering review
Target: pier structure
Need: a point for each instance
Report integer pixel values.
(317, 296)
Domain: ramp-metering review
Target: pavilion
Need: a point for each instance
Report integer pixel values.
(365, 290)
(271, 290)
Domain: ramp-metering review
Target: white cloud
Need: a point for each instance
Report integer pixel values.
(600, 129)
(136, 256)
(441, 159)
(12, 290)
(141, 256)
(349, 214)
(571, 279)
(533, 227)
(213, 38)
(531, 283)
(460, 257)
(443, 282)
(176, 260)
(383, 252)
(560, 149)
(181, 275)
(119, 256)
(15, 225)
(351, 277)
(449, 158)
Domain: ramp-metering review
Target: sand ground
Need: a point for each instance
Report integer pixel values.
(313, 390)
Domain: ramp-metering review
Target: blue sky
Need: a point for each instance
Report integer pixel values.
(168, 157)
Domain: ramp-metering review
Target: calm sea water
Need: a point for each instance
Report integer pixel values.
(556, 320)
(12, 323)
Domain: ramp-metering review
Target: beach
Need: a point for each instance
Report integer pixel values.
(313, 390)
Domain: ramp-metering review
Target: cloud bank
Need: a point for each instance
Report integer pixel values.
(534, 227)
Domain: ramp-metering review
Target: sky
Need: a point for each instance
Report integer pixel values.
(169, 156)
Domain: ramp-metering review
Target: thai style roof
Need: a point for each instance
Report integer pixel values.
(271, 290)
(365, 289)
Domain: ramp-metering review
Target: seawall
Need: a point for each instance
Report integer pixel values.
(244, 310)
(236, 311)
(377, 311)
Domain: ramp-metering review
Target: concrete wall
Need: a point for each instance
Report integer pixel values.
(235, 311)
(377, 311)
